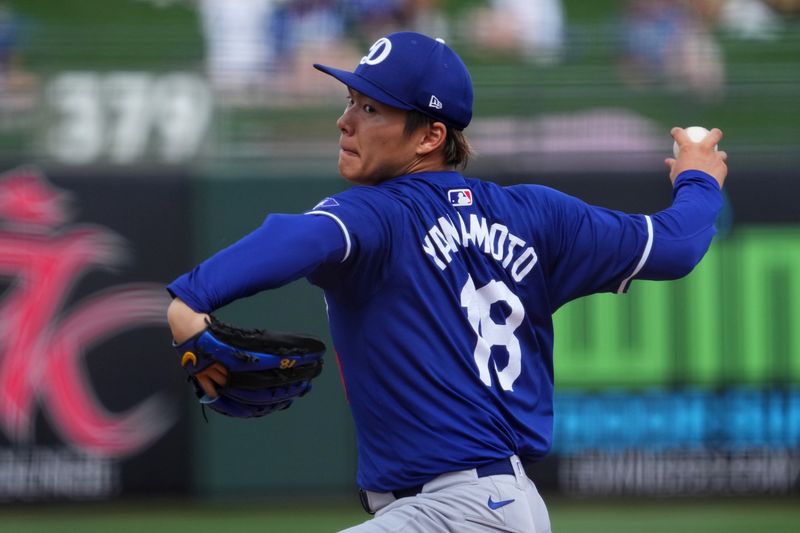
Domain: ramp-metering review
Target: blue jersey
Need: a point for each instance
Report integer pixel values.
(440, 292)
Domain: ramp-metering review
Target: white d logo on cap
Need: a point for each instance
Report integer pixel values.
(377, 52)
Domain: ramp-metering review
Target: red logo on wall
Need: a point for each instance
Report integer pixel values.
(42, 348)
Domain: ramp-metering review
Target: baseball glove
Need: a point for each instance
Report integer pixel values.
(267, 371)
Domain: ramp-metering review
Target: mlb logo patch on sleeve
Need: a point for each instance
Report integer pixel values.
(327, 202)
(460, 197)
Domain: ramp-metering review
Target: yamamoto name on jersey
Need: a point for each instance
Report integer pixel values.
(444, 239)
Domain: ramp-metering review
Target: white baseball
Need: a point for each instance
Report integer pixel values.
(696, 134)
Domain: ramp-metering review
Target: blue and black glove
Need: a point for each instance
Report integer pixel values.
(267, 371)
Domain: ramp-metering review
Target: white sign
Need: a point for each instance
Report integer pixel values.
(123, 117)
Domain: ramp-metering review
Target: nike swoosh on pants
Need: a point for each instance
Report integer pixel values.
(497, 505)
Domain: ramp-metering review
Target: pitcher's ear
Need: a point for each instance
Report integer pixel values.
(434, 137)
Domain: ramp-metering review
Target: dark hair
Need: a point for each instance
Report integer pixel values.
(457, 150)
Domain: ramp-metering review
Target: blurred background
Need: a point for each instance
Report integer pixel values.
(139, 136)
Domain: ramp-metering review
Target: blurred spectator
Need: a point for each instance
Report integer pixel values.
(533, 28)
(670, 42)
(260, 51)
(370, 19)
(17, 87)
(8, 41)
(238, 51)
(749, 19)
(785, 6)
(306, 23)
(271, 44)
(304, 32)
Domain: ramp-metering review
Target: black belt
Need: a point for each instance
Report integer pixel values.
(503, 466)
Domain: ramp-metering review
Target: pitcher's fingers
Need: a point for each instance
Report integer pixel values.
(207, 385)
(220, 368)
(217, 373)
(679, 134)
(713, 138)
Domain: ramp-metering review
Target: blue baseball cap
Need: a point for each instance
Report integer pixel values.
(409, 70)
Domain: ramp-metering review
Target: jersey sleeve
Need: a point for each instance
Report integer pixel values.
(364, 218)
(284, 248)
(593, 249)
(683, 232)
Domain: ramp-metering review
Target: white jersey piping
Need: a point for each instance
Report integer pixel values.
(342, 226)
(645, 255)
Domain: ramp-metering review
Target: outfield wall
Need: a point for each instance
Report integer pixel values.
(687, 387)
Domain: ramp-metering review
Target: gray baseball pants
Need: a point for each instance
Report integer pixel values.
(461, 502)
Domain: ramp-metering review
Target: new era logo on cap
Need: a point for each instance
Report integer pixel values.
(408, 70)
(460, 197)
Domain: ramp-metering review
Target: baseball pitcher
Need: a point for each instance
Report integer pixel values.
(440, 291)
